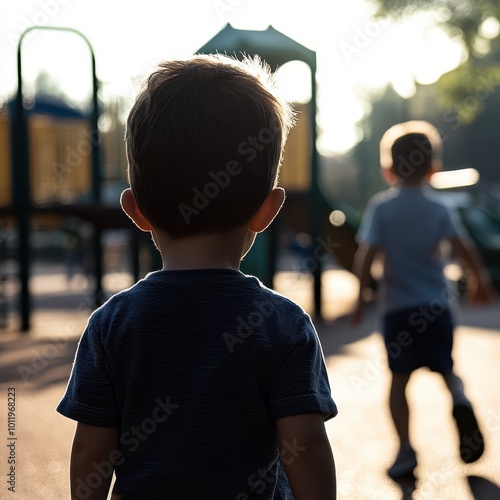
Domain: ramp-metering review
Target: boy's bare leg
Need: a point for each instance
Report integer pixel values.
(455, 386)
(398, 405)
(406, 460)
(471, 438)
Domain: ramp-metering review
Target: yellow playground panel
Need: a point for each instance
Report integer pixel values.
(295, 173)
(60, 159)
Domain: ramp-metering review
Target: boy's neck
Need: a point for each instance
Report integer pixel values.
(208, 251)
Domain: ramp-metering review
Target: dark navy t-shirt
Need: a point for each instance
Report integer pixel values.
(194, 367)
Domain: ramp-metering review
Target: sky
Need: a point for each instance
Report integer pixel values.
(357, 56)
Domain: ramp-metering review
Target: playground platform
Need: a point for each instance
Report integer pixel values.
(37, 366)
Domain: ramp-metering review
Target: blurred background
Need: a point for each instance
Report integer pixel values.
(378, 62)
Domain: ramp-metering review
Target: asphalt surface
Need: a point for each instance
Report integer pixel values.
(364, 443)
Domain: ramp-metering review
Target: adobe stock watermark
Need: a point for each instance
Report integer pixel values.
(73, 158)
(373, 368)
(266, 476)
(419, 320)
(247, 149)
(362, 38)
(225, 7)
(47, 10)
(42, 357)
(74, 154)
(416, 158)
(427, 314)
(130, 440)
(201, 198)
(490, 424)
(486, 86)
(246, 326)
(439, 478)
(435, 481)
(321, 252)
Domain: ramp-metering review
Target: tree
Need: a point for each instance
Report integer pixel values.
(46, 85)
(461, 18)
(474, 23)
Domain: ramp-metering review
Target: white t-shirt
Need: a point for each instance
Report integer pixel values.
(408, 225)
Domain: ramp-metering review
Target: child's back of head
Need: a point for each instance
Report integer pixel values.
(204, 143)
(410, 150)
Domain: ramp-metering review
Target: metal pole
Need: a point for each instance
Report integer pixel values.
(21, 179)
(96, 183)
(315, 198)
(21, 195)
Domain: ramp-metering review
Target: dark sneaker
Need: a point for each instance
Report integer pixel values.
(405, 463)
(471, 439)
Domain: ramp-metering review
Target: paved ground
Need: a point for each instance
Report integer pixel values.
(364, 444)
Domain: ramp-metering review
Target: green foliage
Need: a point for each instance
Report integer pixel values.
(466, 90)
(47, 85)
(459, 17)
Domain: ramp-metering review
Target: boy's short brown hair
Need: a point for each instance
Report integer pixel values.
(204, 143)
(409, 149)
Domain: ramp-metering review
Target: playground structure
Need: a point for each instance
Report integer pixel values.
(26, 178)
(40, 186)
(56, 133)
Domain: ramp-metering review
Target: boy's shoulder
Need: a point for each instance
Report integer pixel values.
(230, 291)
(381, 198)
(440, 198)
(397, 195)
(385, 195)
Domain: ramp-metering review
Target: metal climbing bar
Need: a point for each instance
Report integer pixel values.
(22, 204)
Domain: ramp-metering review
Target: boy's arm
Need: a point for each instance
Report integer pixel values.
(480, 290)
(307, 456)
(363, 260)
(94, 453)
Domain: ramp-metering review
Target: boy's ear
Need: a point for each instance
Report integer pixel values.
(130, 207)
(388, 175)
(268, 210)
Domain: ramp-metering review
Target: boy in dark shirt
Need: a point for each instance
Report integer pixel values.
(198, 381)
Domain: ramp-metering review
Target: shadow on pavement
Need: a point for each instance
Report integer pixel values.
(479, 316)
(66, 300)
(36, 364)
(338, 333)
(408, 485)
(483, 489)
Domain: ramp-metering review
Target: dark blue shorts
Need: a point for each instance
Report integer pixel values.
(417, 337)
